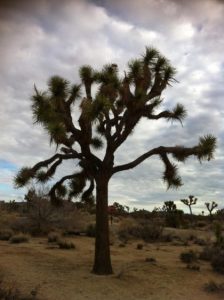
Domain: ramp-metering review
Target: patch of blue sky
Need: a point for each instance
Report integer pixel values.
(4, 164)
(5, 187)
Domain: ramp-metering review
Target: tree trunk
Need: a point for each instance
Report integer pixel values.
(102, 262)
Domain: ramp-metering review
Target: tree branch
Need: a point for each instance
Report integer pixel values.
(157, 151)
(46, 162)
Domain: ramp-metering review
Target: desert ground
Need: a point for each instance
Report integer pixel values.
(59, 274)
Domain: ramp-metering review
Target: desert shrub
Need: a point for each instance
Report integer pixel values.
(208, 253)
(72, 220)
(141, 214)
(128, 228)
(174, 219)
(53, 237)
(19, 238)
(6, 234)
(167, 238)
(139, 246)
(188, 257)
(151, 232)
(217, 262)
(91, 230)
(63, 244)
(200, 242)
(201, 224)
(8, 291)
(213, 287)
(113, 236)
(150, 260)
(218, 234)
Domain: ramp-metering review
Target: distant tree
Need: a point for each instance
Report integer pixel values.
(173, 216)
(189, 202)
(210, 207)
(169, 206)
(120, 209)
(106, 118)
(13, 206)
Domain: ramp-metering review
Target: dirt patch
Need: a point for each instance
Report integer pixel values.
(65, 274)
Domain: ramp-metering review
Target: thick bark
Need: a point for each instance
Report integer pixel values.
(102, 262)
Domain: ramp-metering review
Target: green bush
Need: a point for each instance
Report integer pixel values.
(19, 238)
(188, 257)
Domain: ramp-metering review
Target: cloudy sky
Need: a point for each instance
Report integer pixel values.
(43, 38)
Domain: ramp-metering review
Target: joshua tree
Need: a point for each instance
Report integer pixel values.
(210, 207)
(173, 216)
(189, 202)
(107, 117)
(169, 206)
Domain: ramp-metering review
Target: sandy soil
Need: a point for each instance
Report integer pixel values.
(65, 274)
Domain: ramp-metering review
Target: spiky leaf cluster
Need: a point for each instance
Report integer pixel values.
(51, 108)
(206, 147)
(179, 113)
(170, 175)
(23, 177)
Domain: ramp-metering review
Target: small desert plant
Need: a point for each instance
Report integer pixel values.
(128, 228)
(8, 291)
(6, 234)
(200, 242)
(151, 233)
(19, 238)
(217, 262)
(150, 259)
(201, 224)
(218, 234)
(91, 230)
(63, 244)
(139, 246)
(188, 257)
(53, 237)
(167, 238)
(213, 287)
(208, 253)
